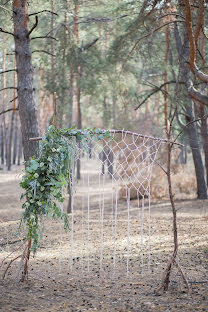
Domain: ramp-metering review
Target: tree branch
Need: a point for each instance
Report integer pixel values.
(44, 37)
(147, 35)
(7, 71)
(44, 52)
(90, 44)
(6, 32)
(198, 96)
(157, 89)
(48, 11)
(8, 88)
(13, 99)
(4, 8)
(33, 27)
(9, 110)
(186, 126)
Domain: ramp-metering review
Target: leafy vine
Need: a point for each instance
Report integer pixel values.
(46, 175)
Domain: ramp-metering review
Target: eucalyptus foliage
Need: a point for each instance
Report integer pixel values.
(47, 175)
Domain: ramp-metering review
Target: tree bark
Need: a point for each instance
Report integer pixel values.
(19, 148)
(196, 153)
(15, 139)
(183, 51)
(27, 109)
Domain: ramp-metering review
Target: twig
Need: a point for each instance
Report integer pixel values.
(7, 268)
(157, 89)
(4, 8)
(44, 52)
(7, 71)
(157, 163)
(167, 14)
(44, 37)
(6, 32)
(11, 243)
(11, 253)
(182, 274)
(187, 125)
(16, 97)
(9, 110)
(8, 88)
(33, 27)
(48, 11)
(147, 35)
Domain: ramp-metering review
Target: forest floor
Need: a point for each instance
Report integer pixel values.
(52, 286)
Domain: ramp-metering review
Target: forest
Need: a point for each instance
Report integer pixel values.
(103, 109)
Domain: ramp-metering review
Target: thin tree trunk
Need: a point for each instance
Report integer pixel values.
(52, 45)
(2, 144)
(196, 153)
(204, 135)
(19, 147)
(11, 126)
(77, 80)
(15, 139)
(3, 97)
(9, 145)
(167, 40)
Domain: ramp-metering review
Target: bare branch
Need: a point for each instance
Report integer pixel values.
(167, 14)
(33, 27)
(198, 96)
(149, 34)
(9, 110)
(13, 99)
(48, 11)
(6, 32)
(157, 89)
(8, 266)
(89, 45)
(4, 8)
(44, 52)
(8, 88)
(7, 71)
(44, 37)
(186, 126)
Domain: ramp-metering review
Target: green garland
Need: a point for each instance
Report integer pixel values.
(46, 175)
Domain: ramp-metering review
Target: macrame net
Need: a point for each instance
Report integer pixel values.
(110, 203)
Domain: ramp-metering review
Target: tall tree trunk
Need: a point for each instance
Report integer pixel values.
(167, 40)
(204, 135)
(15, 142)
(27, 109)
(9, 144)
(77, 82)
(52, 47)
(77, 75)
(11, 126)
(3, 97)
(19, 156)
(183, 50)
(196, 153)
(25, 92)
(2, 143)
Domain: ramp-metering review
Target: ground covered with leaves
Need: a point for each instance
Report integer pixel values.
(52, 286)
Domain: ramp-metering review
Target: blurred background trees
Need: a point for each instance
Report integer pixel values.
(112, 64)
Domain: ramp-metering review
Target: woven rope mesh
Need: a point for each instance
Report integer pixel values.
(107, 175)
